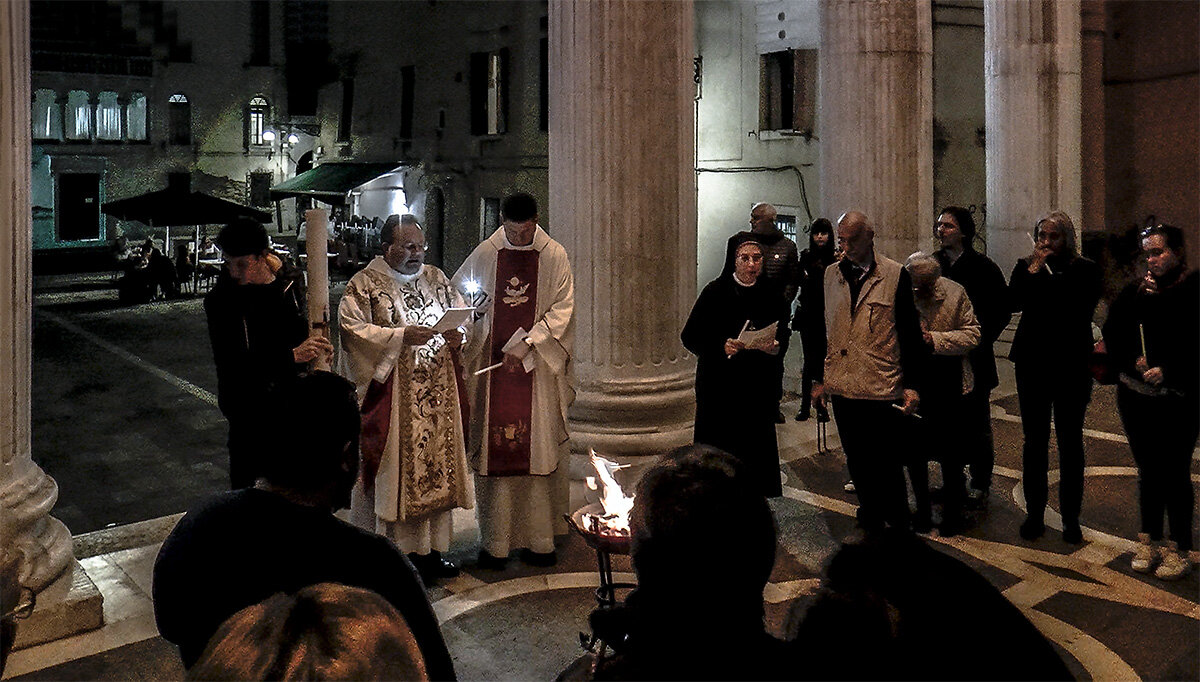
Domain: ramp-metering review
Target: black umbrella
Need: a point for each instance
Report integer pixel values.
(167, 207)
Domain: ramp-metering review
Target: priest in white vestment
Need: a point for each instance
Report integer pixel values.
(413, 400)
(522, 282)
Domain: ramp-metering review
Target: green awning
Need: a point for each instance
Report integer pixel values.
(331, 182)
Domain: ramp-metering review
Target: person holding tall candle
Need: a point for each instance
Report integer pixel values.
(259, 334)
(1056, 290)
(1152, 335)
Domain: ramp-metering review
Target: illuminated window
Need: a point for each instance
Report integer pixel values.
(256, 121)
(108, 116)
(79, 115)
(47, 116)
(135, 117)
(179, 119)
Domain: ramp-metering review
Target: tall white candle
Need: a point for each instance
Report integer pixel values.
(318, 278)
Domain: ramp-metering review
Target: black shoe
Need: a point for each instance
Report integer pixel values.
(779, 418)
(1032, 529)
(977, 498)
(1072, 533)
(491, 563)
(541, 559)
(425, 568)
(442, 567)
(802, 415)
(922, 526)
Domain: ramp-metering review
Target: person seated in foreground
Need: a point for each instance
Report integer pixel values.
(894, 608)
(239, 548)
(322, 632)
(703, 546)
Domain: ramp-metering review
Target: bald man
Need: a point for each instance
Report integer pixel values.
(873, 363)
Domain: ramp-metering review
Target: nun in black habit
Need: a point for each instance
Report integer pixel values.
(735, 384)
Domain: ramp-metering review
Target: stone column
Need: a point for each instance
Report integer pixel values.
(876, 117)
(67, 601)
(623, 204)
(26, 492)
(1031, 97)
(1092, 128)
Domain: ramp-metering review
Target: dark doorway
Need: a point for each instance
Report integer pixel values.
(78, 206)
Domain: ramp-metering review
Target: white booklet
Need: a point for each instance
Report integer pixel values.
(453, 318)
(759, 339)
(516, 342)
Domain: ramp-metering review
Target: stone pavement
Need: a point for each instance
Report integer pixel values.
(135, 371)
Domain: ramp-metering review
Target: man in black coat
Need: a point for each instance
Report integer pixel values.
(241, 547)
(985, 286)
(259, 333)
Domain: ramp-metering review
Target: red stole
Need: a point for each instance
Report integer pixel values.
(510, 406)
(376, 420)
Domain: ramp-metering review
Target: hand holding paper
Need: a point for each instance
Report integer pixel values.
(452, 319)
(759, 339)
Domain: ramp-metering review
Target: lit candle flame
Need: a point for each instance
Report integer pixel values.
(616, 503)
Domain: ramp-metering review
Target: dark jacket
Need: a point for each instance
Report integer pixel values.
(240, 547)
(989, 297)
(1170, 320)
(1056, 312)
(253, 329)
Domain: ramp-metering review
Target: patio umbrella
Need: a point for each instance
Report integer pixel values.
(167, 207)
(174, 206)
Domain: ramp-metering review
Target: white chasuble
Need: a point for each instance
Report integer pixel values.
(423, 468)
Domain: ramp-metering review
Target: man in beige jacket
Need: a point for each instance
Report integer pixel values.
(871, 371)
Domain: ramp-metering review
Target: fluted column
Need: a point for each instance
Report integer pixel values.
(623, 204)
(26, 492)
(1031, 96)
(876, 65)
(1092, 129)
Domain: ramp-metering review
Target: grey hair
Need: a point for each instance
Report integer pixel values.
(1065, 225)
(921, 261)
(763, 204)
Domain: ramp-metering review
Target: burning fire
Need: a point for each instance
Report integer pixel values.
(617, 505)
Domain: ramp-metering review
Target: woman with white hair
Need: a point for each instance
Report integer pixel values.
(1056, 290)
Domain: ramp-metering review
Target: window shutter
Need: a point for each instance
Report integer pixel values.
(505, 72)
(477, 81)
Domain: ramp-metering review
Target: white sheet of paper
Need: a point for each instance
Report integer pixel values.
(452, 319)
(517, 342)
(759, 339)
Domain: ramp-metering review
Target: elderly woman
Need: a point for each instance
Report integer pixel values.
(1056, 291)
(950, 331)
(1152, 335)
(734, 381)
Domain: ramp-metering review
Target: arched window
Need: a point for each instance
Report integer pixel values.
(47, 115)
(108, 116)
(256, 120)
(79, 115)
(135, 117)
(179, 119)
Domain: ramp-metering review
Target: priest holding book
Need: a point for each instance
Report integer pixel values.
(404, 358)
(735, 331)
(521, 282)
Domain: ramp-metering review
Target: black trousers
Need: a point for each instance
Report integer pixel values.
(872, 438)
(1061, 391)
(1162, 433)
(978, 447)
(940, 433)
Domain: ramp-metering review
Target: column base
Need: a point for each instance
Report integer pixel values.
(68, 606)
